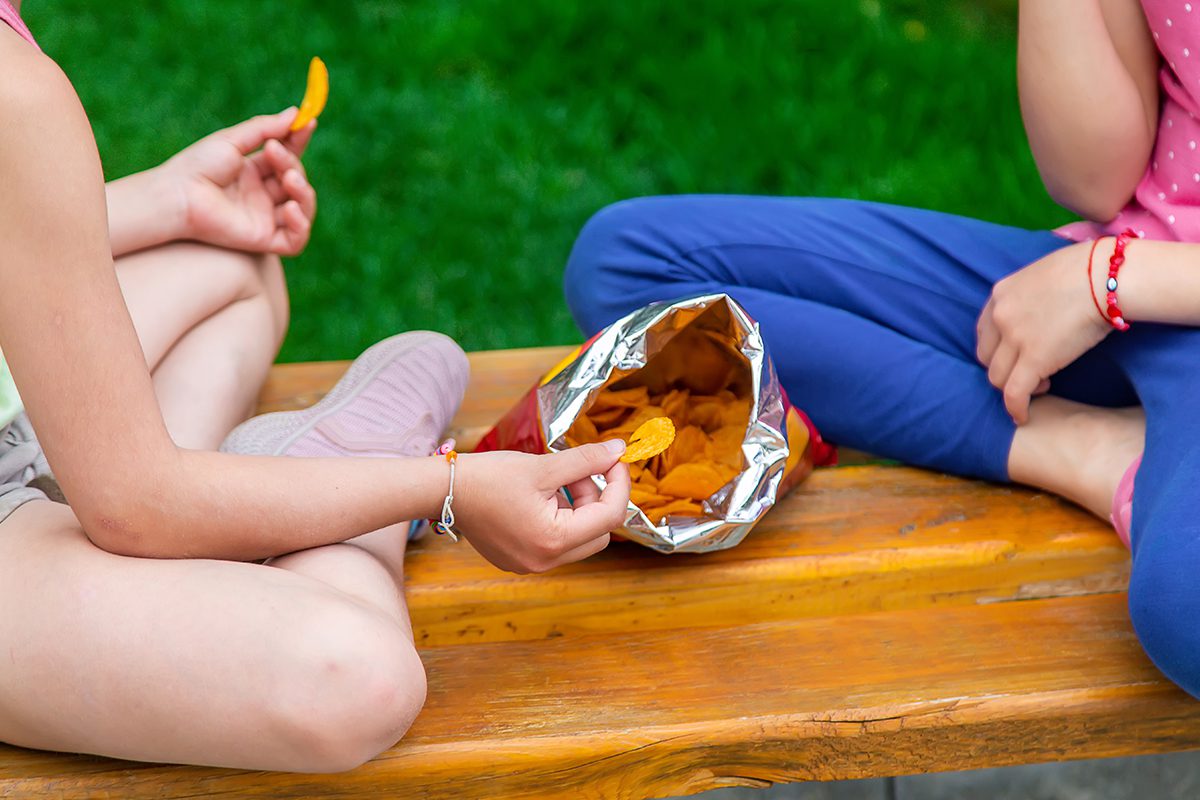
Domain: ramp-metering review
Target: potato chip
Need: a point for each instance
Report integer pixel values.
(708, 368)
(676, 508)
(725, 447)
(675, 404)
(608, 417)
(634, 421)
(697, 480)
(684, 426)
(650, 439)
(737, 413)
(690, 444)
(583, 430)
(709, 415)
(647, 478)
(316, 92)
(725, 397)
(646, 499)
(654, 466)
(621, 398)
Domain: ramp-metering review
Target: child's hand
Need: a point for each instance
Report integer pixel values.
(510, 507)
(244, 187)
(1037, 321)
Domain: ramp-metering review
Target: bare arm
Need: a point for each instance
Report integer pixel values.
(1042, 318)
(144, 210)
(243, 188)
(73, 351)
(1159, 281)
(1087, 73)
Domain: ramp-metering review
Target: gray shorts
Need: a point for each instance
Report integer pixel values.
(24, 473)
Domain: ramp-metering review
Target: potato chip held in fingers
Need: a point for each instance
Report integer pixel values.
(315, 94)
(650, 439)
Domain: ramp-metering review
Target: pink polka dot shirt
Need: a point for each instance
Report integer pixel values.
(1166, 204)
(9, 14)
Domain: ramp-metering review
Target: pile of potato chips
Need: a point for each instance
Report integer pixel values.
(712, 441)
(705, 455)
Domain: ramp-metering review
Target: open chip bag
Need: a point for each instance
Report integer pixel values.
(739, 445)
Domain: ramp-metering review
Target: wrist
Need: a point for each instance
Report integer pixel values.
(144, 210)
(1099, 252)
(1113, 310)
(169, 192)
(465, 469)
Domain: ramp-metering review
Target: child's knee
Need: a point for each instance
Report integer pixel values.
(611, 255)
(1163, 604)
(274, 289)
(349, 685)
(261, 279)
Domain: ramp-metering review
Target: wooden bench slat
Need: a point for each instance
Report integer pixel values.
(653, 713)
(849, 540)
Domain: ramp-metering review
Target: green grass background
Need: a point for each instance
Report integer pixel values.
(465, 143)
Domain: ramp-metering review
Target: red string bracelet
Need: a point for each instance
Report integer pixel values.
(1092, 284)
(1115, 317)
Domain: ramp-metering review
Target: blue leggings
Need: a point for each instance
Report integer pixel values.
(869, 312)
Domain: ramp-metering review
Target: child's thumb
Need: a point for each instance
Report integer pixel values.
(575, 464)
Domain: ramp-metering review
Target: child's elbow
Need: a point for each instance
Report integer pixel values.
(126, 516)
(119, 528)
(1091, 201)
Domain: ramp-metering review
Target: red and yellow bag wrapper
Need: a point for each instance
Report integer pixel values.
(739, 444)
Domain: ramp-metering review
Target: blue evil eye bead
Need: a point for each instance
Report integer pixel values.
(1111, 285)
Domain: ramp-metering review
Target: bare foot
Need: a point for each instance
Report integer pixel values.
(1077, 451)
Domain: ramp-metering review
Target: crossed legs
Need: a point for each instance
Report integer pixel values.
(305, 664)
(869, 312)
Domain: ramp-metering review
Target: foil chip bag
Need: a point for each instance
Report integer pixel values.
(739, 444)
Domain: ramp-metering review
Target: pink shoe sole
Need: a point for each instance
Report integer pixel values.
(1122, 507)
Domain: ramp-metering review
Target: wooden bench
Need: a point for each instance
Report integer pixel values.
(881, 621)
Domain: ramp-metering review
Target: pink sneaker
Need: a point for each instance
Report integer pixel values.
(1122, 506)
(396, 399)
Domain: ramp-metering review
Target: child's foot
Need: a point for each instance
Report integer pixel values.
(1122, 503)
(396, 399)
(1077, 451)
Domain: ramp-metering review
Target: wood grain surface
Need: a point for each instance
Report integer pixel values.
(881, 621)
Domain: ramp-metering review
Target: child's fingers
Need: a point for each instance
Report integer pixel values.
(291, 230)
(280, 158)
(250, 135)
(274, 189)
(1001, 365)
(584, 551)
(583, 492)
(1018, 390)
(580, 525)
(297, 141)
(301, 191)
(568, 466)
(584, 524)
(987, 337)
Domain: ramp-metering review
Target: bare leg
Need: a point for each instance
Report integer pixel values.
(369, 568)
(192, 661)
(1077, 451)
(210, 322)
